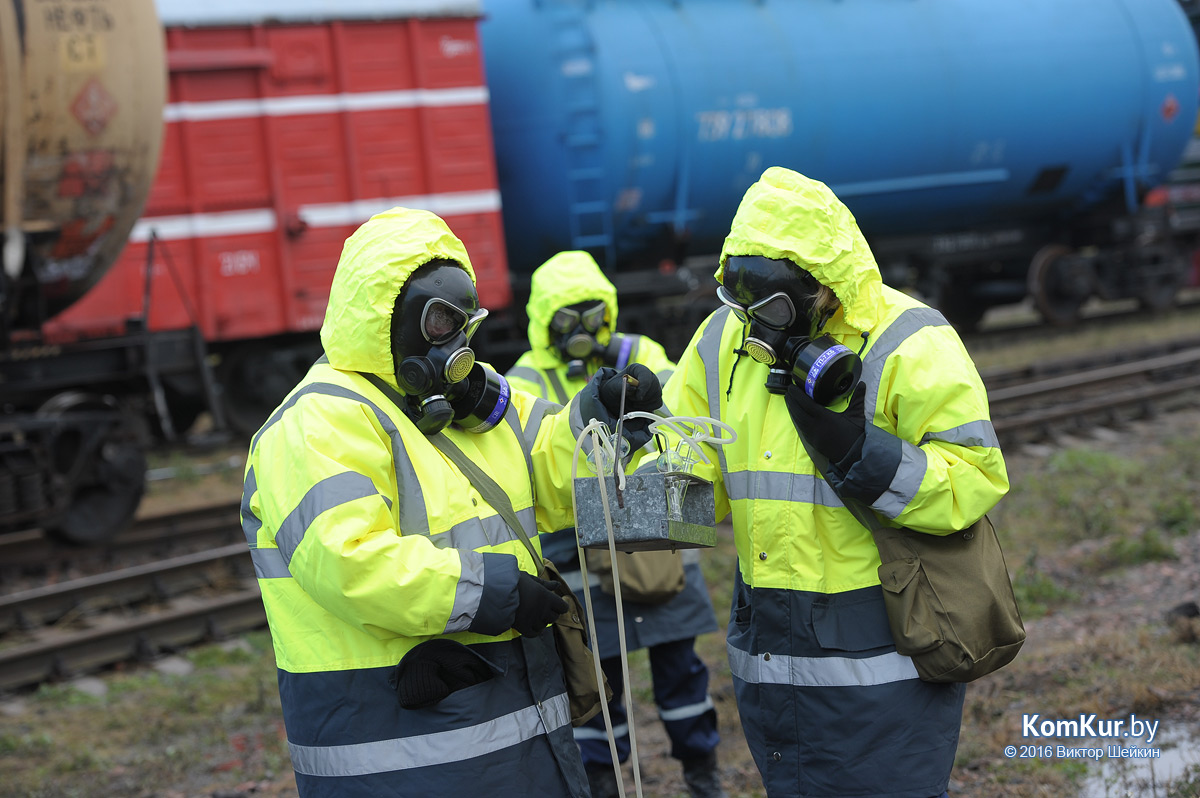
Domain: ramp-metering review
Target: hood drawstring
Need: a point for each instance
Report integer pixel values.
(739, 352)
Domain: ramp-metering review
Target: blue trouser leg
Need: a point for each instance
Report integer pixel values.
(681, 693)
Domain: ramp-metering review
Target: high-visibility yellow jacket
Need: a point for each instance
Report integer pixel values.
(368, 541)
(828, 705)
(565, 279)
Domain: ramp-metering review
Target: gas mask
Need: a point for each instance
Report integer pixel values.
(435, 317)
(775, 299)
(573, 332)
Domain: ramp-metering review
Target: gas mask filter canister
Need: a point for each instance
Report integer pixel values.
(827, 370)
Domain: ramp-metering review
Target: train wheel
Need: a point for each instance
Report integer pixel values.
(99, 457)
(1059, 284)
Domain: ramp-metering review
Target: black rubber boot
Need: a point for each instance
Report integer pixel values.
(701, 777)
(602, 781)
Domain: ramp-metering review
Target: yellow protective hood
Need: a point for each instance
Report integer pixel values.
(376, 261)
(788, 216)
(565, 279)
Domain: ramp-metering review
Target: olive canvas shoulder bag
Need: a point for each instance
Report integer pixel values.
(949, 598)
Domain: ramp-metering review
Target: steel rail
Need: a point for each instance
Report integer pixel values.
(29, 609)
(1106, 374)
(202, 526)
(58, 654)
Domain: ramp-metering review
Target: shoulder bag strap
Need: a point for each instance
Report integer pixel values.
(492, 493)
(560, 394)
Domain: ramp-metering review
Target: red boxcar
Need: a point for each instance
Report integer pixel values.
(286, 129)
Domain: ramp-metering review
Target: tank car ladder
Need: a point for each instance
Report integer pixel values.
(590, 214)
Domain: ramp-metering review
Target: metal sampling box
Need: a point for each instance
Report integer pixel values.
(655, 511)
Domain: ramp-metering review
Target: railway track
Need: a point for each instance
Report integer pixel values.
(199, 582)
(1043, 400)
(149, 537)
(60, 630)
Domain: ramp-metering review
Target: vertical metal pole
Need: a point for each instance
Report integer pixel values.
(156, 389)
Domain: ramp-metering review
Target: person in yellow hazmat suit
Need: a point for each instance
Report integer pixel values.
(572, 313)
(828, 706)
(407, 622)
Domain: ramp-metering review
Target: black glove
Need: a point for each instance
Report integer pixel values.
(601, 399)
(432, 670)
(537, 604)
(838, 436)
(646, 396)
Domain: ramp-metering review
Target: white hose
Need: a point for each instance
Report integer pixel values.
(604, 447)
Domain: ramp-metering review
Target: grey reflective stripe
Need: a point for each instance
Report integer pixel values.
(906, 482)
(586, 733)
(665, 375)
(533, 424)
(559, 391)
(690, 711)
(911, 471)
(477, 533)
(269, 564)
(435, 748)
(973, 433)
(889, 341)
(467, 593)
(529, 375)
(577, 425)
(413, 519)
(330, 492)
(780, 487)
(250, 522)
(820, 671)
(709, 349)
(514, 423)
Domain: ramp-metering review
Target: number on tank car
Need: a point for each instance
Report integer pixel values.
(70, 18)
(744, 123)
(240, 262)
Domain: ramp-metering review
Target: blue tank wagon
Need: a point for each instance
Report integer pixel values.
(986, 148)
